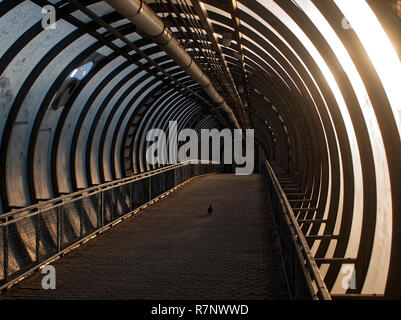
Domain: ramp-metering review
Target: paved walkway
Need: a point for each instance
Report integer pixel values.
(175, 250)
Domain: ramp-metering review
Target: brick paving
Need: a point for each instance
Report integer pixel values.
(175, 250)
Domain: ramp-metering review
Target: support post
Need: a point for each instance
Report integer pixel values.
(59, 237)
(5, 249)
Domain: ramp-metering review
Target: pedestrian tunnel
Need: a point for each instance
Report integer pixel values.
(83, 82)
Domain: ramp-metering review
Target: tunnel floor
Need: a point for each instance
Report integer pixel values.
(175, 250)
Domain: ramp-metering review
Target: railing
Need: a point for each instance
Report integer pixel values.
(33, 236)
(302, 273)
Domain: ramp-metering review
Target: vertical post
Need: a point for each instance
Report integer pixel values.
(150, 188)
(5, 249)
(102, 209)
(37, 237)
(131, 198)
(59, 228)
(99, 210)
(293, 271)
(112, 198)
(81, 218)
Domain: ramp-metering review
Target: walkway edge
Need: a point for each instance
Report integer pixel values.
(94, 234)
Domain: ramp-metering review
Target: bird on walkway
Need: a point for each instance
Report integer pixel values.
(210, 209)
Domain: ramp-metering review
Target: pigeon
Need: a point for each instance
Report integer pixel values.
(210, 209)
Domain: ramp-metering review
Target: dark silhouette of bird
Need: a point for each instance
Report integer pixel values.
(210, 209)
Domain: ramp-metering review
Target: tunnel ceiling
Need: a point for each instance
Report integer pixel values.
(318, 80)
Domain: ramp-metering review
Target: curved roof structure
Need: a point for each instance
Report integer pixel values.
(319, 81)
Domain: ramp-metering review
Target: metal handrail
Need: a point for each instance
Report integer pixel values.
(45, 205)
(35, 235)
(309, 263)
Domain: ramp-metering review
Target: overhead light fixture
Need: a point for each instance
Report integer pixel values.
(82, 71)
(66, 89)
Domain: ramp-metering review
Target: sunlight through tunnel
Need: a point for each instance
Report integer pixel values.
(318, 80)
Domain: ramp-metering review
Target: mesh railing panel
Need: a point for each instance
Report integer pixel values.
(71, 223)
(140, 192)
(1, 255)
(36, 236)
(108, 206)
(47, 234)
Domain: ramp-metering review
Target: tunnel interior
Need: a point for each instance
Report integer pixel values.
(82, 82)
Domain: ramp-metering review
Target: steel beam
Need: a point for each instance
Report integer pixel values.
(207, 25)
(139, 13)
